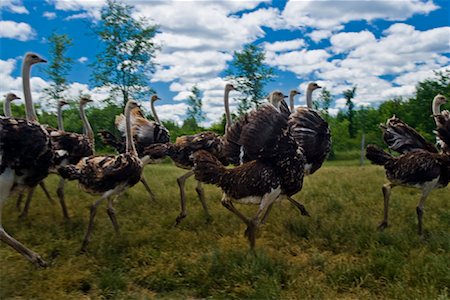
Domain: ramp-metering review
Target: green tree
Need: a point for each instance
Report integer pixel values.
(125, 60)
(323, 103)
(194, 102)
(250, 75)
(349, 95)
(59, 65)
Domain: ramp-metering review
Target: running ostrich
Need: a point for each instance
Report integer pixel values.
(180, 152)
(144, 131)
(26, 156)
(7, 104)
(420, 164)
(107, 175)
(274, 169)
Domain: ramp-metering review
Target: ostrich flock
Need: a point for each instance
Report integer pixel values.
(271, 148)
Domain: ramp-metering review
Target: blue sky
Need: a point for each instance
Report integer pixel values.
(383, 47)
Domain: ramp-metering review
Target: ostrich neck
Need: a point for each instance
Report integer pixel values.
(60, 118)
(436, 110)
(29, 108)
(7, 108)
(309, 98)
(130, 148)
(155, 115)
(86, 125)
(226, 104)
(291, 102)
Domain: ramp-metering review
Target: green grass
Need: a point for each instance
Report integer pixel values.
(336, 253)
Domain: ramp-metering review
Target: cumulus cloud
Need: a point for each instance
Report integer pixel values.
(18, 31)
(49, 15)
(83, 59)
(14, 6)
(328, 14)
(281, 46)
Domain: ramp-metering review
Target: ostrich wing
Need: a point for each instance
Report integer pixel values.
(402, 138)
(312, 133)
(75, 145)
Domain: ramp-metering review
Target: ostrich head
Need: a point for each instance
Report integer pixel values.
(32, 58)
(85, 100)
(61, 103)
(11, 97)
(276, 97)
(313, 86)
(155, 98)
(294, 92)
(133, 104)
(440, 99)
(229, 87)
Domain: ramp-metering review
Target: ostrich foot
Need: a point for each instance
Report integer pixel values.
(382, 225)
(179, 218)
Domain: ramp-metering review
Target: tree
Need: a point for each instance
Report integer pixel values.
(323, 103)
(349, 95)
(194, 110)
(125, 60)
(59, 65)
(250, 75)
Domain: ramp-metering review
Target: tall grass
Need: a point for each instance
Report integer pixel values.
(336, 253)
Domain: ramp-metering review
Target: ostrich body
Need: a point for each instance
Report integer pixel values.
(420, 165)
(180, 152)
(107, 175)
(274, 169)
(145, 133)
(25, 156)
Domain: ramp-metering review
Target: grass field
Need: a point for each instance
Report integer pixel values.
(336, 253)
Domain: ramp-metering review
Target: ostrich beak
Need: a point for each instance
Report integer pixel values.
(43, 60)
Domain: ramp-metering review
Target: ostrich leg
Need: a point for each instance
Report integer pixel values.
(92, 214)
(419, 209)
(47, 194)
(60, 193)
(19, 201)
(112, 214)
(26, 208)
(148, 189)
(300, 206)
(6, 183)
(387, 187)
(201, 195)
(181, 180)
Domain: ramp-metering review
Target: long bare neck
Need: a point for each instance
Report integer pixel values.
(60, 118)
(130, 148)
(86, 125)
(155, 115)
(29, 108)
(309, 98)
(226, 104)
(7, 108)
(291, 102)
(436, 110)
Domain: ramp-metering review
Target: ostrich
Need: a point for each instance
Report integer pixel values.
(184, 146)
(107, 175)
(25, 156)
(420, 164)
(441, 118)
(7, 104)
(274, 169)
(144, 131)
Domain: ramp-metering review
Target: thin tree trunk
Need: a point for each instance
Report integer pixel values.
(363, 146)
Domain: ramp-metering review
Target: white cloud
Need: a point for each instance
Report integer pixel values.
(346, 41)
(281, 46)
(49, 15)
(18, 31)
(14, 6)
(318, 35)
(83, 59)
(328, 14)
